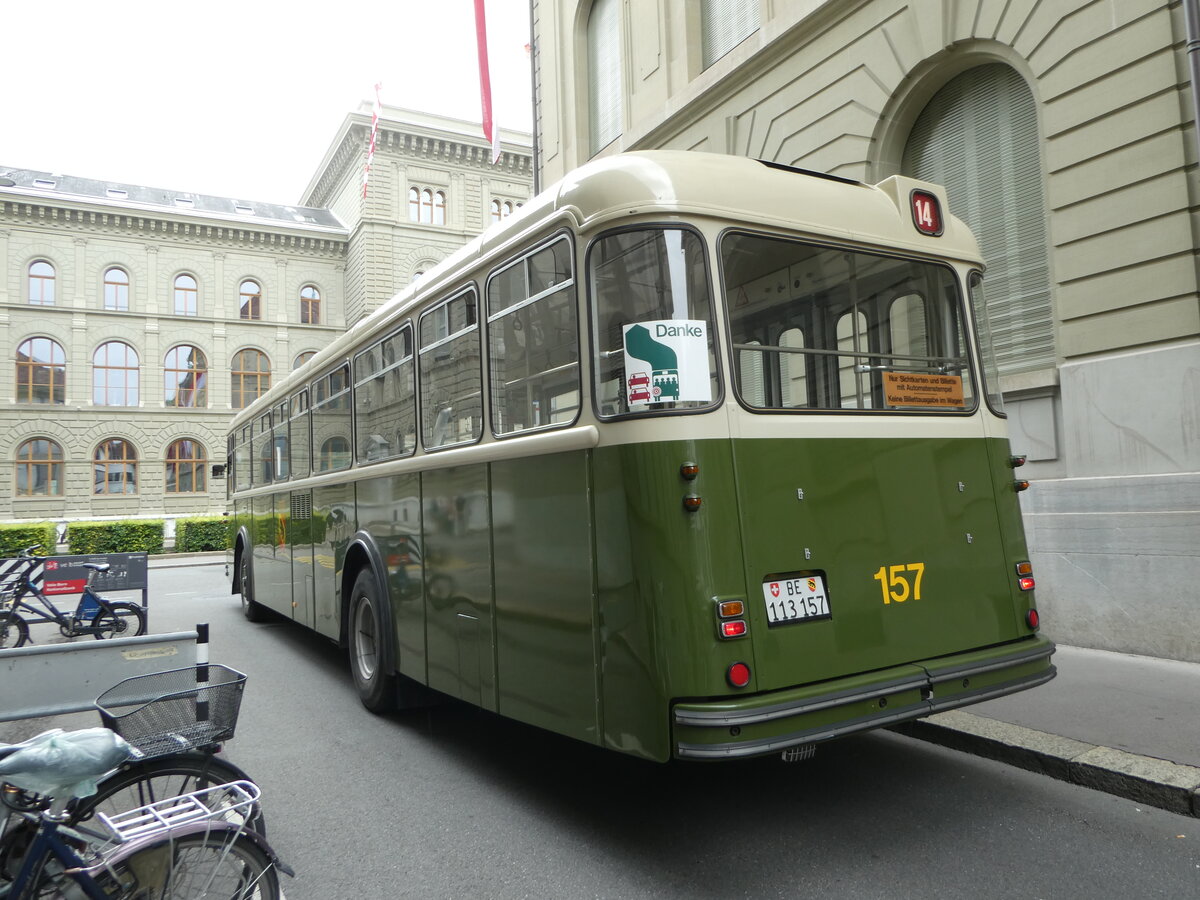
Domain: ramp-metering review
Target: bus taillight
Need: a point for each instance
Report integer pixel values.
(1033, 620)
(1025, 576)
(733, 628)
(738, 675)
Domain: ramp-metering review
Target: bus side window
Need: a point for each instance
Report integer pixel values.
(451, 381)
(533, 342)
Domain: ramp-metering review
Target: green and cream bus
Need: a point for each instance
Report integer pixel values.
(693, 457)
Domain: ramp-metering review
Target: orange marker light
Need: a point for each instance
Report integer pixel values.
(692, 503)
(730, 608)
(688, 471)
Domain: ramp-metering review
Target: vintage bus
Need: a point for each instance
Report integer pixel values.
(694, 457)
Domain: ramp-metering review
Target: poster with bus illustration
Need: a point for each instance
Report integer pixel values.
(666, 361)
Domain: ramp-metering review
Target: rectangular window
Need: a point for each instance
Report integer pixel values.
(451, 380)
(300, 439)
(533, 342)
(242, 455)
(385, 399)
(829, 329)
(264, 453)
(652, 318)
(331, 416)
(280, 445)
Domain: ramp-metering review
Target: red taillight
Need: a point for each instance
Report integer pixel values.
(738, 675)
(1026, 583)
(735, 628)
(1032, 619)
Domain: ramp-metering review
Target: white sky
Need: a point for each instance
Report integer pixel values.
(236, 98)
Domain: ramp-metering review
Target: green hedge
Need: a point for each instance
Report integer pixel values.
(200, 534)
(136, 536)
(15, 538)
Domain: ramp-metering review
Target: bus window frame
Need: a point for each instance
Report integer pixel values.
(717, 325)
(966, 322)
(564, 235)
(341, 365)
(300, 410)
(357, 382)
(469, 288)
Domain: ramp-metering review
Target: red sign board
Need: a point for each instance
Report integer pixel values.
(927, 213)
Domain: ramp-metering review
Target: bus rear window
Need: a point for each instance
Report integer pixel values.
(820, 328)
(652, 321)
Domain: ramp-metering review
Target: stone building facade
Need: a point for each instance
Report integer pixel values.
(137, 320)
(1065, 133)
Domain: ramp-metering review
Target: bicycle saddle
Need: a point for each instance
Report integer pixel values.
(58, 763)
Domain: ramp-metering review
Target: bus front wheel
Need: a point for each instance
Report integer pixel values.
(376, 687)
(254, 612)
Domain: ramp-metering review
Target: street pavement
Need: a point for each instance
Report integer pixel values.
(1128, 725)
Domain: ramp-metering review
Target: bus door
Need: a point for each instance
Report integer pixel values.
(300, 546)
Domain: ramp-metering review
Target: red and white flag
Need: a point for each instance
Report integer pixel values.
(371, 144)
(490, 131)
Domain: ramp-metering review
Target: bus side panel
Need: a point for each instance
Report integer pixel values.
(545, 650)
(390, 510)
(300, 540)
(333, 526)
(455, 522)
(269, 589)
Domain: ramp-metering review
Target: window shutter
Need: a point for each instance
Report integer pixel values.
(978, 137)
(724, 24)
(604, 64)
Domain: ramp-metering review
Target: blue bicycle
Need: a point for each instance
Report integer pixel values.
(93, 614)
(181, 848)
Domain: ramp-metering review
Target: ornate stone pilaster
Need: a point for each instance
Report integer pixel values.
(155, 296)
(82, 279)
(217, 301)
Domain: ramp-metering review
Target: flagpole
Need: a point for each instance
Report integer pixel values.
(371, 143)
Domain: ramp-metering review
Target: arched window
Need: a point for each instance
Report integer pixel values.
(41, 283)
(302, 358)
(427, 206)
(41, 371)
(186, 296)
(185, 377)
(251, 371)
(978, 136)
(39, 469)
(115, 375)
(724, 24)
(605, 94)
(115, 468)
(250, 300)
(116, 290)
(310, 305)
(496, 211)
(187, 467)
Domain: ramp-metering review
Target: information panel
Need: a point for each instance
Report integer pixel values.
(67, 574)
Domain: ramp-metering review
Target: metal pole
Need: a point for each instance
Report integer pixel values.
(1191, 14)
(537, 177)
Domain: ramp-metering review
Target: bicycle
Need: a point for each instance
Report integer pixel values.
(181, 848)
(177, 720)
(93, 615)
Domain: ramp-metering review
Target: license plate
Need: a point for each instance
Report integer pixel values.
(796, 599)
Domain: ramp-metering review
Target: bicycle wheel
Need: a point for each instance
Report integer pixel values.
(140, 783)
(14, 631)
(119, 620)
(217, 864)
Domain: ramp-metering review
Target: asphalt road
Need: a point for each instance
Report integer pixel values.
(457, 803)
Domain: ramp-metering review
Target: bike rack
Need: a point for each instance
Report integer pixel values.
(53, 679)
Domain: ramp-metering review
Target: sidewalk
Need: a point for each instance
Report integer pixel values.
(1128, 725)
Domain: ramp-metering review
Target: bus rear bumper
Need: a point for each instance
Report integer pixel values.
(770, 722)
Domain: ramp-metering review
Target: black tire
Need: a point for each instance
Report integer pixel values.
(254, 612)
(119, 620)
(137, 784)
(14, 631)
(376, 687)
(219, 864)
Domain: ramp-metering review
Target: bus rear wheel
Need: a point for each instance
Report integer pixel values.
(376, 687)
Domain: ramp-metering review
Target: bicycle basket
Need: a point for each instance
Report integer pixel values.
(170, 712)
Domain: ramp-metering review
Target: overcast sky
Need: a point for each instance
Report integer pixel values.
(236, 98)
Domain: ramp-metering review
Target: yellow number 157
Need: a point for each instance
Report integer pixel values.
(894, 582)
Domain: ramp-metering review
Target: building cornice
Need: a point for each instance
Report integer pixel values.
(107, 219)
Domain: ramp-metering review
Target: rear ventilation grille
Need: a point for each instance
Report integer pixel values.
(301, 506)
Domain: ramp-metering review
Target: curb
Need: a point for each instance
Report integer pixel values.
(175, 560)
(1143, 779)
